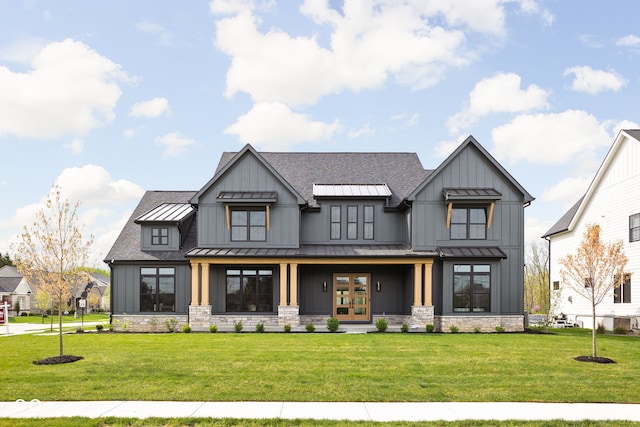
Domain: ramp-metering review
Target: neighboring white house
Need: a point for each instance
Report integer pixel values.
(14, 289)
(612, 201)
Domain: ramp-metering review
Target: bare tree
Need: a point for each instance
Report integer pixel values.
(536, 278)
(51, 250)
(594, 270)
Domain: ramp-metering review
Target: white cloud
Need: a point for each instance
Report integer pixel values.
(70, 90)
(591, 81)
(273, 126)
(128, 133)
(534, 228)
(165, 37)
(364, 130)
(406, 120)
(568, 191)
(76, 146)
(533, 7)
(155, 107)
(93, 185)
(174, 144)
(22, 51)
(555, 138)
(446, 148)
(498, 94)
(630, 40)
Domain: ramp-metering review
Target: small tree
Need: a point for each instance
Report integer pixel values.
(536, 278)
(594, 271)
(49, 252)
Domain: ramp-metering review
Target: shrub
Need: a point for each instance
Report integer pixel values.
(237, 326)
(310, 328)
(79, 330)
(500, 329)
(601, 329)
(477, 329)
(404, 328)
(333, 324)
(213, 329)
(260, 327)
(99, 328)
(381, 324)
(171, 324)
(454, 329)
(430, 328)
(186, 328)
(287, 328)
(620, 330)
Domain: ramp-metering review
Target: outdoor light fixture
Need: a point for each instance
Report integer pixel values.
(324, 286)
(378, 286)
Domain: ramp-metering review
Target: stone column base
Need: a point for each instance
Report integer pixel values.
(199, 316)
(289, 314)
(421, 315)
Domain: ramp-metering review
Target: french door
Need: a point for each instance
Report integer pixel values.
(351, 298)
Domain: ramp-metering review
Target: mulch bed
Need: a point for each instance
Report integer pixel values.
(56, 360)
(594, 359)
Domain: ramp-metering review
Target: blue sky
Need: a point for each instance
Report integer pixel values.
(109, 99)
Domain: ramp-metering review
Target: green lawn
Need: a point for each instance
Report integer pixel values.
(323, 367)
(65, 319)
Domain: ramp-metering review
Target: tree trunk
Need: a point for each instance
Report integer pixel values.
(60, 326)
(593, 330)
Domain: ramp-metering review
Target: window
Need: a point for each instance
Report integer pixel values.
(368, 222)
(249, 225)
(634, 228)
(468, 223)
(622, 294)
(159, 236)
(249, 290)
(157, 289)
(556, 285)
(335, 222)
(471, 288)
(352, 222)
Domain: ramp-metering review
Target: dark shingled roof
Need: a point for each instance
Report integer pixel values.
(402, 172)
(563, 223)
(127, 245)
(9, 284)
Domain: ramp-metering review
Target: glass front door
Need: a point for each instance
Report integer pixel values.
(351, 297)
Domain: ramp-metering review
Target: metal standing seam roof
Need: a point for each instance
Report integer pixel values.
(248, 196)
(312, 251)
(351, 190)
(167, 212)
(471, 193)
(476, 252)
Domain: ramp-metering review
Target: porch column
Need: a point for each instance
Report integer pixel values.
(195, 277)
(283, 284)
(417, 284)
(293, 285)
(205, 283)
(428, 267)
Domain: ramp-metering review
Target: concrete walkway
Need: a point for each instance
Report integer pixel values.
(355, 411)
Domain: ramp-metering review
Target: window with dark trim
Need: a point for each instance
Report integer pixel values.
(622, 293)
(159, 236)
(468, 223)
(556, 285)
(335, 222)
(157, 289)
(352, 222)
(471, 288)
(249, 290)
(368, 223)
(248, 225)
(634, 228)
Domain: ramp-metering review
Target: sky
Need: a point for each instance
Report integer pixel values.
(109, 99)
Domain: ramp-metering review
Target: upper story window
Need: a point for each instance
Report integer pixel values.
(634, 228)
(468, 223)
(248, 225)
(368, 223)
(159, 236)
(352, 222)
(622, 293)
(335, 222)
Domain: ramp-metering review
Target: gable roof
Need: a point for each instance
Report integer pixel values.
(402, 172)
(8, 285)
(127, 245)
(471, 141)
(569, 219)
(248, 149)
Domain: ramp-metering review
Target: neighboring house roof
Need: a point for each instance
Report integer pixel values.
(471, 141)
(9, 271)
(8, 285)
(569, 219)
(127, 245)
(401, 172)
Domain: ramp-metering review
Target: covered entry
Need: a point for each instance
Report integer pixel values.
(351, 299)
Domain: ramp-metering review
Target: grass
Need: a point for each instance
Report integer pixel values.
(65, 319)
(323, 367)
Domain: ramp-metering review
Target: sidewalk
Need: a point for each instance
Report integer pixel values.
(354, 411)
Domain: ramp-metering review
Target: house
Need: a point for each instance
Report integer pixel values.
(612, 201)
(93, 291)
(15, 290)
(296, 238)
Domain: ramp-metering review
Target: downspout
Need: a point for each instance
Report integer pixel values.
(111, 293)
(548, 273)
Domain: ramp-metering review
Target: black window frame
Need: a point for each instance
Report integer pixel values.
(159, 236)
(368, 231)
(352, 222)
(473, 299)
(467, 225)
(622, 293)
(249, 290)
(634, 227)
(249, 227)
(335, 222)
(153, 299)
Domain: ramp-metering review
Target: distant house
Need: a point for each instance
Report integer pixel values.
(14, 289)
(612, 201)
(295, 238)
(93, 292)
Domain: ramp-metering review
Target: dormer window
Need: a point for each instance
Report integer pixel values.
(468, 223)
(470, 212)
(159, 236)
(248, 214)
